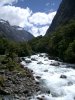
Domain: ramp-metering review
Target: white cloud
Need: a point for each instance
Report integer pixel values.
(3, 2)
(43, 30)
(38, 31)
(40, 18)
(51, 16)
(36, 23)
(15, 15)
(34, 31)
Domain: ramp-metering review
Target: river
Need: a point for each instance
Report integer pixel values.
(57, 81)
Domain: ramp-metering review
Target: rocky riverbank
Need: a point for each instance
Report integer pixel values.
(17, 85)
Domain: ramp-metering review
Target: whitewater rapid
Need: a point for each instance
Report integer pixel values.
(48, 73)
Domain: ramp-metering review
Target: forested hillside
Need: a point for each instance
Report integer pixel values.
(60, 43)
(60, 37)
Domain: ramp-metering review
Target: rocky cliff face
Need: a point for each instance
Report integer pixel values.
(65, 13)
(14, 32)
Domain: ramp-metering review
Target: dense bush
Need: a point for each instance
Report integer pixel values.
(62, 42)
(39, 44)
(12, 48)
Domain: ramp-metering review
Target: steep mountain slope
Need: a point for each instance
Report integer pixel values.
(59, 41)
(65, 13)
(13, 32)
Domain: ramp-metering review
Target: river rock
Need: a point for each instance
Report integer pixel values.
(63, 76)
(34, 59)
(45, 70)
(26, 91)
(48, 91)
(19, 60)
(41, 55)
(41, 98)
(19, 84)
(2, 72)
(37, 82)
(46, 60)
(3, 92)
(70, 83)
(70, 66)
(27, 61)
(38, 77)
(56, 63)
(39, 62)
(23, 59)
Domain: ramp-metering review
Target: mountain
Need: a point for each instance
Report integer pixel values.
(15, 33)
(65, 13)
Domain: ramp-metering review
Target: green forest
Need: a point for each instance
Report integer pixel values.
(60, 43)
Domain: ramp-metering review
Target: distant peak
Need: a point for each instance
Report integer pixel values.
(18, 27)
(3, 21)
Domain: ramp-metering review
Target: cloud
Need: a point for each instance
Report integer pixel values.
(36, 23)
(40, 18)
(39, 31)
(15, 15)
(43, 30)
(3, 2)
(41, 22)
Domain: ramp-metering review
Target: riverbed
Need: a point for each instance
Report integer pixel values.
(56, 79)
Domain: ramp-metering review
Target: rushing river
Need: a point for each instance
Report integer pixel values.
(57, 79)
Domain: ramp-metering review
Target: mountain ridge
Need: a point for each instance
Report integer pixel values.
(14, 33)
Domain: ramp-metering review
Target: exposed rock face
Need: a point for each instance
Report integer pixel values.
(15, 33)
(65, 13)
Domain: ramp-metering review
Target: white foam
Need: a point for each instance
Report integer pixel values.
(61, 89)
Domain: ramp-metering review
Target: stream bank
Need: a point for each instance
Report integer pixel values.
(17, 85)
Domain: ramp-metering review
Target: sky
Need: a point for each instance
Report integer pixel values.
(35, 16)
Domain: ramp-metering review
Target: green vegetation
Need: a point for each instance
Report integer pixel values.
(13, 48)
(39, 44)
(60, 43)
(10, 52)
(9, 59)
(2, 79)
